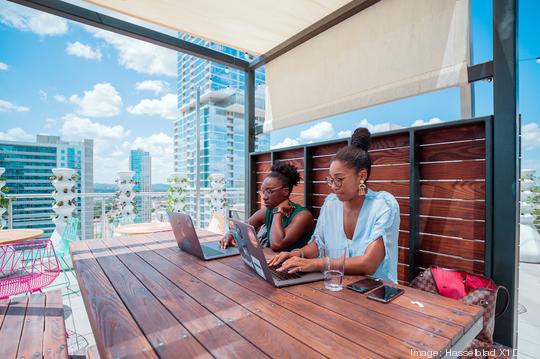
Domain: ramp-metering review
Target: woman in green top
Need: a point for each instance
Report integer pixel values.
(288, 224)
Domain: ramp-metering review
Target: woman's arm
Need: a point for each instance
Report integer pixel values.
(256, 220)
(281, 238)
(365, 264)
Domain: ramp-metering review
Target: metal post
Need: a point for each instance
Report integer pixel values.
(198, 154)
(103, 218)
(249, 128)
(414, 204)
(505, 164)
(10, 214)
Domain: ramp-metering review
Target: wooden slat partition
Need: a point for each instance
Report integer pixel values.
(450, 207)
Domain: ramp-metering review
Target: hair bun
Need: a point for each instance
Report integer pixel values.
(361, 138)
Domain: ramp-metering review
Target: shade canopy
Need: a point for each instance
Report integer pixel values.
(255, 26)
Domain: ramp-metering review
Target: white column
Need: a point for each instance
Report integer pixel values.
(63, 180)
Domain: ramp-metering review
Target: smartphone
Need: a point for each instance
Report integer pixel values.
(365, 285)
(385, 294)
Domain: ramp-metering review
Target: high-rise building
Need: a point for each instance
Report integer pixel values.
(141, 163)
(28, 170)
(216, 93)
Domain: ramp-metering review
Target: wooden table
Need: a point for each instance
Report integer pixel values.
(8, 236)
(143, 228)
(145, 297)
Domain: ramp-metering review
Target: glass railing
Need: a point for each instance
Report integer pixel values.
(97, 214)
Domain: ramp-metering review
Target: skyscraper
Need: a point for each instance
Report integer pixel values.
(220, 105)
(28, 168)
(141, 163)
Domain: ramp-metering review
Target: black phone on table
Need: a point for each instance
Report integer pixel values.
(365, 285)
(385, 294)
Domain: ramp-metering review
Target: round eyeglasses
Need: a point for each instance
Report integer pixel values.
(268, 192)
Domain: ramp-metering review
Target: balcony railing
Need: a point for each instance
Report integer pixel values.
(152, 207)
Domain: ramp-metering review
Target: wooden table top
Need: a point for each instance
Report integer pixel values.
(143, 228)
(8, 236)
(144, 296)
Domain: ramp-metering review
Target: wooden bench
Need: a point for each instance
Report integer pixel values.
(33, 327)
(439, 176)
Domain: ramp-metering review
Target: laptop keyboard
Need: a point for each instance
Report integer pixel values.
(211, 252)
(283, 275)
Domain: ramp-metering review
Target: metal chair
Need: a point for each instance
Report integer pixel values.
(27, 267)
(62, 252)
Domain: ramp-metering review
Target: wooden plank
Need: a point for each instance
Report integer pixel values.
(466, 170)
(145, 309)
(452, 227)
(298, 162)
(264, 335)
(467, 190)
(462, 133)
(403, 254)
(31, 344)
(390, 157)
(213, 333)
(54, 336)
(453, 208)
(106, 310)
(460, 151)
(265, 157)
(398, 189)
(263, 167)
(297, 198)
(310, 333)
(468, 249)
(403, 239)
(389, 141)
(12, 327)
(426, 259)
(355, 331)
(403, 271)
(289, 154)
(330, 149)
(404, 223)
(389, 173)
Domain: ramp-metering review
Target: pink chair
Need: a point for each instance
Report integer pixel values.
(26, 267)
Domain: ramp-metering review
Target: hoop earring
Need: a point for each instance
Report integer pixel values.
(362, 188)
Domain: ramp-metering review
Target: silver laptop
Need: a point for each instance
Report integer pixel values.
(253, 256)
(188, 240)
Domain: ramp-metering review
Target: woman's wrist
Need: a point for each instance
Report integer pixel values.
(299, 251)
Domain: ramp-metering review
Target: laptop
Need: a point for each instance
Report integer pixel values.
(253, 256)
(188, 240)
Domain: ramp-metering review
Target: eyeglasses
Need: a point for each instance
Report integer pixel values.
(337, 182)
(269, 191)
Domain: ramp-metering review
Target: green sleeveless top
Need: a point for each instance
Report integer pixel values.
(285, 222)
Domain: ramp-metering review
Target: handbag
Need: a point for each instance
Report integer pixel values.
(470, 289)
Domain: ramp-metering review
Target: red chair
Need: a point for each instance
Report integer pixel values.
(27, 267)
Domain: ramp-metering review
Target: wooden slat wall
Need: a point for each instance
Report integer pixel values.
(452, 204)
(451, 207)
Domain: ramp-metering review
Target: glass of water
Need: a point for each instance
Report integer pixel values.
(334, 266)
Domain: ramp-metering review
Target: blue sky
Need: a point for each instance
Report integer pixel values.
(62, 78)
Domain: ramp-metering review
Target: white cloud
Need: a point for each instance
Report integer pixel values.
(6, 106)
(60, 98)
(102, 101)
(157, 86)
(320, 131)
(77, 128)
(43, 96)
(431, 121)
(50, 123)
(16, 134)
(165, 107)
(380, 127)
(81, 50)
(160, 147)
(287, 142)
(26, 19)
(530, 136)
(3, 66)
(346, 133)
(138, 55)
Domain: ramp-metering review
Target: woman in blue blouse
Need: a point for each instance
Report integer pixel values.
(367, 222)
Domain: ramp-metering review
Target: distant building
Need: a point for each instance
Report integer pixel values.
(221, 108)
(28, 168)
(141, 163)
